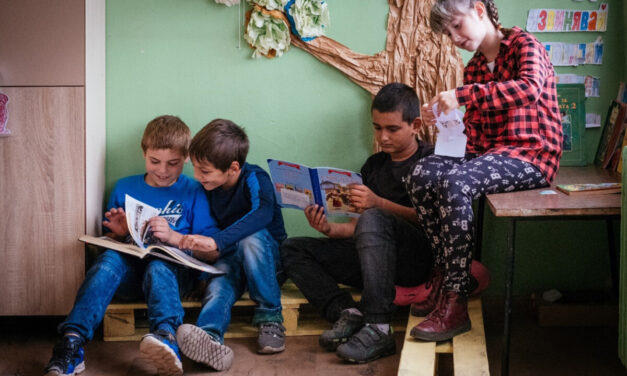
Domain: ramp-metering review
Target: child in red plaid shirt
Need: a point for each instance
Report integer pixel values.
(514, 132)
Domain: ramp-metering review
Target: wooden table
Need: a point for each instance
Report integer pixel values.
(533, 205)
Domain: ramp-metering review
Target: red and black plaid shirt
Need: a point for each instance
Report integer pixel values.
(513, 111)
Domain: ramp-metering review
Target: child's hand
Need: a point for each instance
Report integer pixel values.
(446, 100)
(427, 115)
(161, 229)
(317, 219)
(116, 222)
(362, 197)
(204, 247)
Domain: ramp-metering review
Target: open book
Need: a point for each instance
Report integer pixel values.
(298, 186)
(137, 216)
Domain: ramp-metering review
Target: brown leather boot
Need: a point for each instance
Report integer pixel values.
(425, 307)
(449, 319)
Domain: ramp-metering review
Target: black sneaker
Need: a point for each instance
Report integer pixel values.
(271, 338)
(347, 325)
(201, 347)
(367, 345)
(68, 358)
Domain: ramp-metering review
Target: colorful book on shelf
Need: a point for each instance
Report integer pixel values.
(298, 186)
(611, 139)
(589, 188)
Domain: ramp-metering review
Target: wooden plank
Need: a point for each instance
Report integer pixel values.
(532, 203)
(418, 358)
(470, 357)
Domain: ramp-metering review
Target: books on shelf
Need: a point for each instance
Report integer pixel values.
(298, 186)
(589, 188)
(137, 216)
(612, 137)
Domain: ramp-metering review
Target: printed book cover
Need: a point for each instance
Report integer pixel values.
(298, 186)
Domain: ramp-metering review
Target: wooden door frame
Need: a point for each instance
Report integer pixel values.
(95, 113)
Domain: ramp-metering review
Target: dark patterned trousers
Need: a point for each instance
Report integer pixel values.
(442, 190)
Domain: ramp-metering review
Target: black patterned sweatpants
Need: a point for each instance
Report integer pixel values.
(442, 190)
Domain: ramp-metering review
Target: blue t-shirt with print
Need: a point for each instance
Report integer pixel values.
(183, 204)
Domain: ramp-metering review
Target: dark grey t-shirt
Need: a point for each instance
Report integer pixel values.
(385, 177)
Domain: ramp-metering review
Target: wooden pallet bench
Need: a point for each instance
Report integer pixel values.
(119, 323)
(419, 358)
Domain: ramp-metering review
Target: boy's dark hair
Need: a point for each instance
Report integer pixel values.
(167, 132)
(397, 97)
(220, 143)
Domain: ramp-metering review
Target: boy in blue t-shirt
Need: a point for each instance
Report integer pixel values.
(242, 200)
(183, 209)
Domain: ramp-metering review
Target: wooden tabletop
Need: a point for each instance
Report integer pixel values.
(536, 203)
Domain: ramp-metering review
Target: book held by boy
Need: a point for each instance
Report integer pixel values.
(589, 188)
(137, 216)
(298, 186)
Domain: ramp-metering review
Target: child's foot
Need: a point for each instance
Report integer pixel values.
(160, 349)
(67, 357)
(349, 323)
(201, 347)
(271, 338)
(368, 344)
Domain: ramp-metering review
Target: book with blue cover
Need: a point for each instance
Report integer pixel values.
(298, 186)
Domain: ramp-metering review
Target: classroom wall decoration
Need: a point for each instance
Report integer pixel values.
(563, 20)
(4, 115)
(413, 55)
(572, 54)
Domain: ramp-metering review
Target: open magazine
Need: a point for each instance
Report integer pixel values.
(137, 216)
(298, 186)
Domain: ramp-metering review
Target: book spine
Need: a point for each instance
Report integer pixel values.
(315, 185)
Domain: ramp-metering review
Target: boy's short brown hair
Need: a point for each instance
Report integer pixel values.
(167, 132)
(221, 142)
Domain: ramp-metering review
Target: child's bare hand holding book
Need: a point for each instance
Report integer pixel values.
(116, 222)
(203, 247)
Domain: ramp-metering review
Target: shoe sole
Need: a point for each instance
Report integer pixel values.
(79, 368)
(270, 350)
(331, 344)
(161, 356)
(386, 352)
(197, 345)
(437, 337)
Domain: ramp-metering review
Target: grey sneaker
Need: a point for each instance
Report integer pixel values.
(347, 325)
(271, 338)
(201, 347)
(160, 350)
(367, 345)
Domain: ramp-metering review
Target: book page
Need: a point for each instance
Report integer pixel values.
(176, 255)
(137, 216)
(292, 184)
(334, 184)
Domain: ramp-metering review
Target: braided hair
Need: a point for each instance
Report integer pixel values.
(443, 12)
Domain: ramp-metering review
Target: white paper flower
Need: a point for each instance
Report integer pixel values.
(310, 17)
(267, 32)
(270, 4)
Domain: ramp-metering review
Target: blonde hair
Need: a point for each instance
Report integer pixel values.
(167, 132)
(443, 11)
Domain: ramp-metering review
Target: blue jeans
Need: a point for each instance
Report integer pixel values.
(129, 278)
(251, 266)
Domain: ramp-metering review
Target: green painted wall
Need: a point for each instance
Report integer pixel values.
(184, 58)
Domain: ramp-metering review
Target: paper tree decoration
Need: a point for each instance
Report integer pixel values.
(4, 115)
(413, 55)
